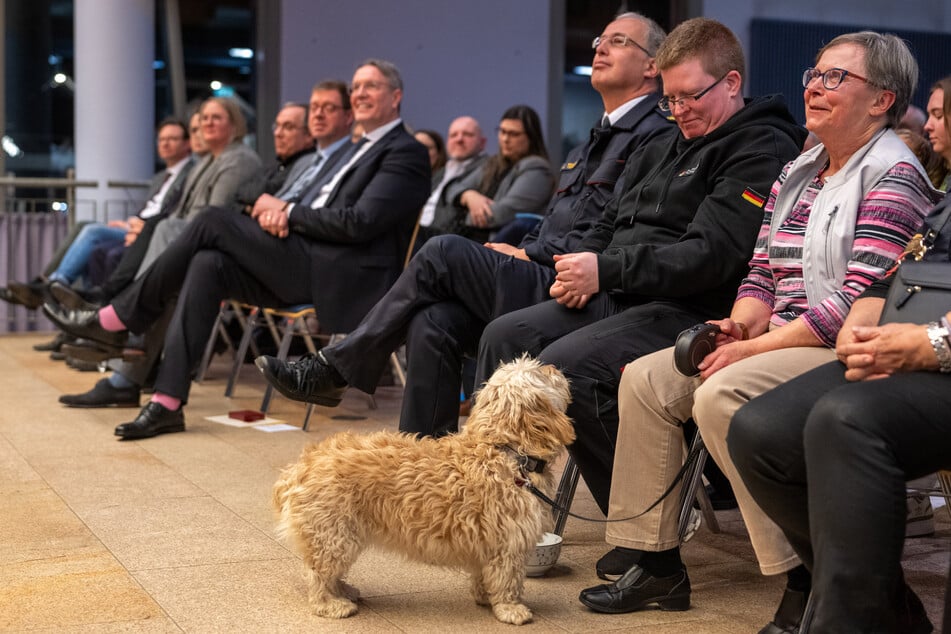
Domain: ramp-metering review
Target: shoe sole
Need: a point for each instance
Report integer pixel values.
(70, 300)
(100, 405)
(676, 603)
(272, 381)
(165, 430)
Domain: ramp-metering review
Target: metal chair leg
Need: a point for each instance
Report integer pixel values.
(565, 494)
(242, 351)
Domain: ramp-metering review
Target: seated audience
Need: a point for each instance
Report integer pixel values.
(165, 190)
(340, 252)
(938, 127)
(329, 121)
(434, 144)
(513, 185)
(454, 286)
(220, 178)
(837, 218)
(826, 456)
(669, 251)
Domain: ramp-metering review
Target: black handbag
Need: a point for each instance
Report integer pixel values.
(921, 286)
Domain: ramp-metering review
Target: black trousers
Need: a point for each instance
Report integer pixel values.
(220, 255)
(590, 346)
(131, 259)
(438, 306)
(828, 461)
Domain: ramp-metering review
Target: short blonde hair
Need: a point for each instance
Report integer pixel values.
(705, 39)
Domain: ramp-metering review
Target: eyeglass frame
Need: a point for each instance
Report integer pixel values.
(667, 104)
(509, 134)
(813, 73)
(324, 108)
(611, 41)
(287, 126)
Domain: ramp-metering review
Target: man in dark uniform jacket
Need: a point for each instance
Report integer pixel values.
(454, 286)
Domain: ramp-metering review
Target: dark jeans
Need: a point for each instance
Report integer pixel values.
(590, 346)
(438, 306)
(828, 461)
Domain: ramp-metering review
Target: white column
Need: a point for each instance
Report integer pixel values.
(114, 96)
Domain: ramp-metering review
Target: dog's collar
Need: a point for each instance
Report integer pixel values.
(526, 464)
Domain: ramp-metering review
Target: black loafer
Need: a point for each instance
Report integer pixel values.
(789, 613)
(55, 344)
(70, 299)
(85, 325)
(154, 419)
(103, 395)
(311, 379)
(30, 294)
(637, 589)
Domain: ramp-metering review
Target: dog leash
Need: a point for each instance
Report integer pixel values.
(691, 458)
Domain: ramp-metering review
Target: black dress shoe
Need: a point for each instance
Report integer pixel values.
(637, 589)
(154, 419)
(81, 365)
(70, 299)
(32, 294)
(615, 563)
(789, 613)
(103, 395)
(55, 344)
(85, 325)
(311, 379)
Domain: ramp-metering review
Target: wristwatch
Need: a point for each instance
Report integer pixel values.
(938, 335)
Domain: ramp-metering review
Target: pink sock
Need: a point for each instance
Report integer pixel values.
(166, 401)
(109, 320)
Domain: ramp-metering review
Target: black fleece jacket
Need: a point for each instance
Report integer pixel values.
(684, 226)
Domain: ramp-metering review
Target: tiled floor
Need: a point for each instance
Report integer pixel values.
(175, 533)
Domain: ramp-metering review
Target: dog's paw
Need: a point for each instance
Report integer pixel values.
(334, 607)
(514, 613)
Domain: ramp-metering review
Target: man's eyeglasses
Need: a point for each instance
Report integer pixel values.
(325, 108)
(667, 103)
(831, 79)
(286, 127)
(171, 139)
(618, 40)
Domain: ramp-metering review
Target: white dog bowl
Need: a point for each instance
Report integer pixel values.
(544, 556)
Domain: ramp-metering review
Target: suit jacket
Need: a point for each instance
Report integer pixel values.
(359, 238)
(174, 192)
(325, 174)
(445, 213)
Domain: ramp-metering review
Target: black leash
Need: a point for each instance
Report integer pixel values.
(689, 461)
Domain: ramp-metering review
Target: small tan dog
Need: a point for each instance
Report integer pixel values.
(453, 502)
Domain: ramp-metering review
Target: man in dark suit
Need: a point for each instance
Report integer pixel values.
(453, 287)
(340, 252)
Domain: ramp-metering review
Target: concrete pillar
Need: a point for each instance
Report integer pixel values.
(114, 97)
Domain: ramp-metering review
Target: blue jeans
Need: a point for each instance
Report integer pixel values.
(74, 261)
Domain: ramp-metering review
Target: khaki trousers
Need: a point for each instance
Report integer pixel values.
(654, 400)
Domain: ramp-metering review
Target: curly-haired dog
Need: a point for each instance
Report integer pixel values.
(456, 501)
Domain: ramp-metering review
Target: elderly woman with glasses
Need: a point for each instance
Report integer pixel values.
(836, 219)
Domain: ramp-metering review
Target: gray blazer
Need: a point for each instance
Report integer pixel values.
(215, 182)
(526, 189)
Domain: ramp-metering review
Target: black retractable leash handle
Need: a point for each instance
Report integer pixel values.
(691, 458)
